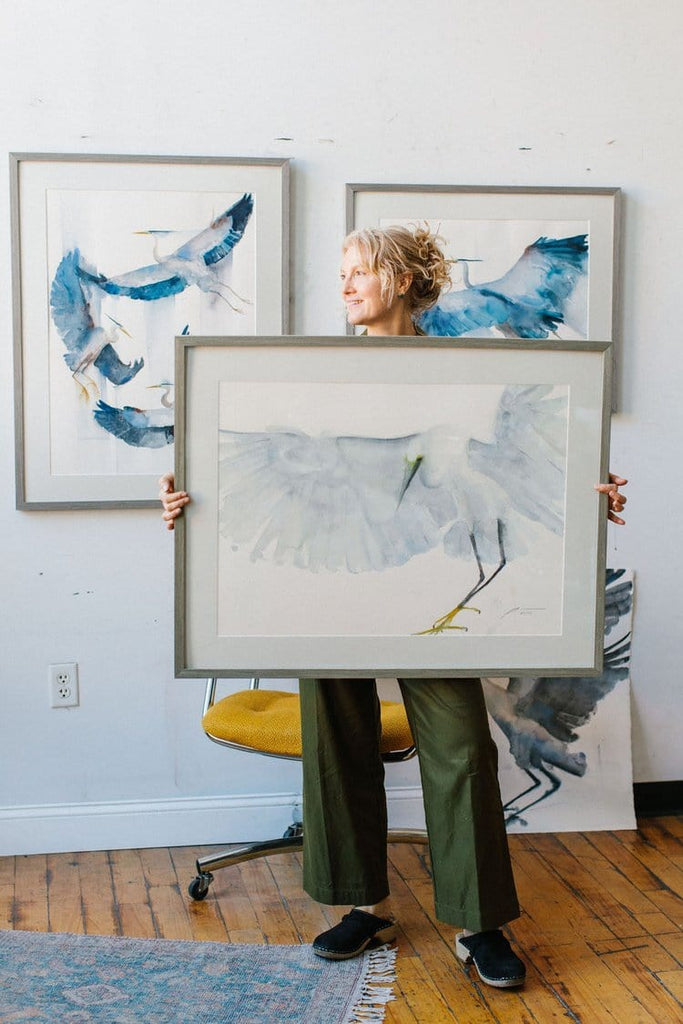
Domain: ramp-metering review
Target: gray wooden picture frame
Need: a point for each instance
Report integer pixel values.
(237, 389)
(378, 204)
(85, 465)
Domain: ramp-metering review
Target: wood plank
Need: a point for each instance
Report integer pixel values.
(587, 985)
(169, 908)
(673, 944)
(654, 1001)
(409, 859)
(670, 904)
(273, 919)
(673, 983)
(652, 955)
(398, 1011)
(584, 885)
(620, 855)
(248, 937)
(667, 874)
(556, 894)
(65, 907)
(97, 894)
(30, 897)
(136, 921)
(157, 866)
(170, 913)
(7, 914)
(7, 870)
(417, 988)
(128, 877)
(664, 840)
(438, 956)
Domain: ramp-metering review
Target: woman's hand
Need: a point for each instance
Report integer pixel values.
(616, 500)
(173, 501)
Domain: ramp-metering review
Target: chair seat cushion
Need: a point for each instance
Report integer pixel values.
(268, 721)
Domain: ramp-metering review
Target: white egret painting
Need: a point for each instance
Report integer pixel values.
(359, 491)
(390, 507)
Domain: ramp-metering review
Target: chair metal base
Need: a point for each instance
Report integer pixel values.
(291, 842)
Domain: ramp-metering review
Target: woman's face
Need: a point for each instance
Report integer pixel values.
(361, 291)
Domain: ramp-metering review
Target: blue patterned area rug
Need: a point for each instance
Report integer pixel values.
(91, 979)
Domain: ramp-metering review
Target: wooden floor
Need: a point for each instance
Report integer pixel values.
(600, 931)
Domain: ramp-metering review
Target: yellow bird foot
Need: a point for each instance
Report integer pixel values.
(446, 621)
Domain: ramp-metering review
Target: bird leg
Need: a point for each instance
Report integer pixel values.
(446, 621)
(89, 389)
(214, 291)
(223, 284)
(554, 785)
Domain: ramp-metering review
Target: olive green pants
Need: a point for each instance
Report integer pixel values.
(345, 815)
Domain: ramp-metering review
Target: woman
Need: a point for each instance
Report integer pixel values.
(389, 277)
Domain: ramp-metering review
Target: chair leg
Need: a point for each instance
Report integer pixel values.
(291, 842)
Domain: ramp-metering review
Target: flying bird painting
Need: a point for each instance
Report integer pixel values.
(87, 344)
(531, 300)
(78, 294)
(141, 428)
(357, 504)
(194, 263)
(543, 717)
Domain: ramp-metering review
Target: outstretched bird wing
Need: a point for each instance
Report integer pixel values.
(222, 235)
(73, 319)
(167, 278)
(114, 369)
(529, 301)
(528, 454)
(328, 503)
(70, 309)
(137, 427)
(562, 704)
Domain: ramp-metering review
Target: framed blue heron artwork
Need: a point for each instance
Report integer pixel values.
(113, 257)
(529, 262)
(396, 507)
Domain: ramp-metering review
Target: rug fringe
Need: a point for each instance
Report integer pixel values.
(377, 987)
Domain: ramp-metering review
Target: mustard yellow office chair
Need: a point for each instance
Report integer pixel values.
(268, 722)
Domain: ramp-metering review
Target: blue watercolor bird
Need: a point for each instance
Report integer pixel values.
(356, 504)
(195, 263)
(540, 715)
(530, 301)
(140, 428)
(87, 344)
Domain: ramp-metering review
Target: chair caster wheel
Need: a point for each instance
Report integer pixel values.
(293, 831)
(199, 886)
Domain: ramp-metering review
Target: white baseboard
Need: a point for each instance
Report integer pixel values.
(184, 821)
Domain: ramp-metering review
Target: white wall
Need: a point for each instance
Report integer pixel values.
(536, 92)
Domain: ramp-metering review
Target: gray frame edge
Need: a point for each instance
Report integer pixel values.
(607, 397)
(179, 547)
(17, 349)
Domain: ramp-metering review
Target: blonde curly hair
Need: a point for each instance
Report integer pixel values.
(390, 253)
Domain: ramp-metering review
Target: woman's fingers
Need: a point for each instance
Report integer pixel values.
(615, 499)
(173, 501)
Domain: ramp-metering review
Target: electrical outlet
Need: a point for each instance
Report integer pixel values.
(63, 685)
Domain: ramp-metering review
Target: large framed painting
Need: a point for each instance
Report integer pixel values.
(534, 263)
(390, 507)
(113, 256)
